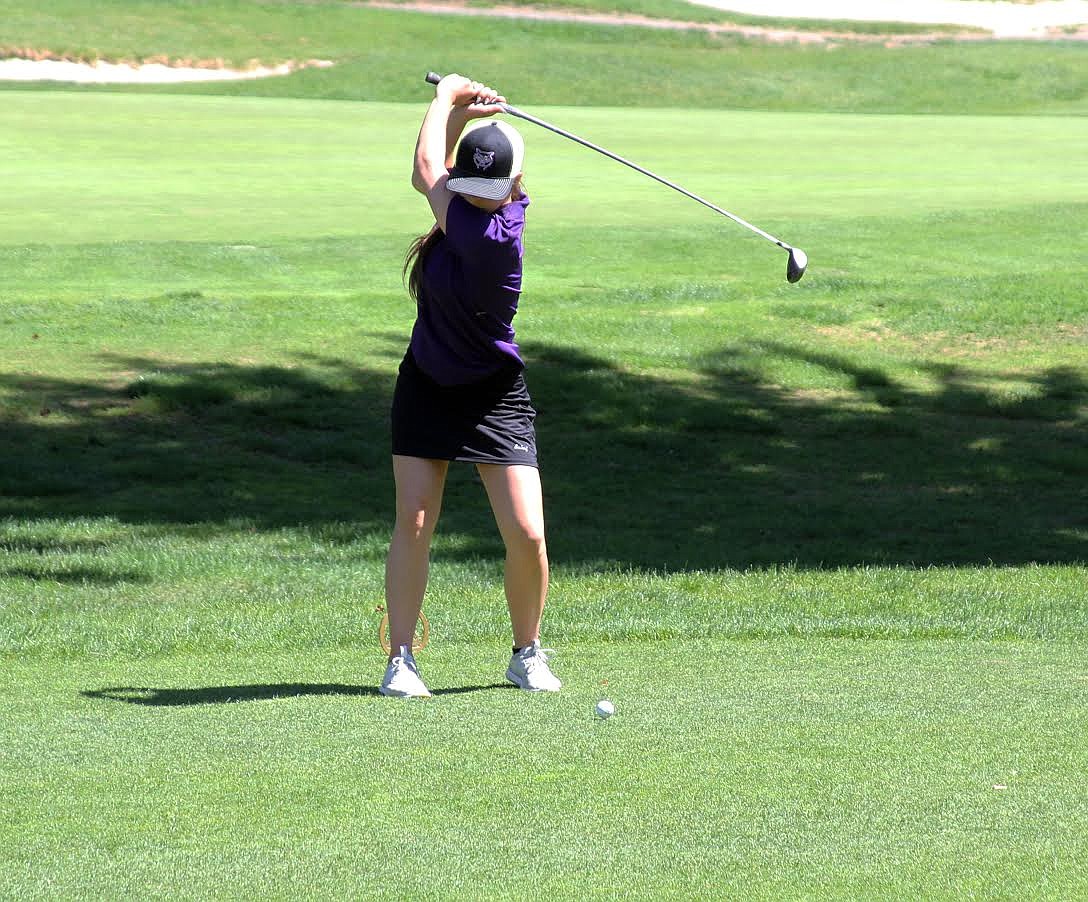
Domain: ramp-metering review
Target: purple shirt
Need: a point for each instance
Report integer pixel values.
(469, 294)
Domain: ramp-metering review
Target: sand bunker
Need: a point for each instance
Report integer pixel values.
(1001, 18)
(101, 72)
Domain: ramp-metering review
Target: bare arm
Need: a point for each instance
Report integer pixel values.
(456, 101)
(459, 118)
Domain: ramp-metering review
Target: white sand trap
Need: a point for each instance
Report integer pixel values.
(1003, 18)
(130, 73)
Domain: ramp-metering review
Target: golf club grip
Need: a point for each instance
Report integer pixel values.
(434, 78)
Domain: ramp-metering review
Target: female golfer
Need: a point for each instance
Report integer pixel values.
(460, 392)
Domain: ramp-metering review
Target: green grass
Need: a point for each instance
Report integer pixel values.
(824, 545)
(679, 10)
(241, 30)
(788, 769)
(383, 55)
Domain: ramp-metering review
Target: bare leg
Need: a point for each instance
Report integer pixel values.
(515, 496)
(420, 483)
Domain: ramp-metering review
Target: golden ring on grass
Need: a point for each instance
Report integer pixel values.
(419, 640)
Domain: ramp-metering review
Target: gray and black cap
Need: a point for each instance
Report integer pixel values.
(489, 158)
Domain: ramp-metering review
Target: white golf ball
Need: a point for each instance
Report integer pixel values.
(605, 709)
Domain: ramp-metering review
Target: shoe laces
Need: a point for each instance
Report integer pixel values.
(399, 661)
(539, 658)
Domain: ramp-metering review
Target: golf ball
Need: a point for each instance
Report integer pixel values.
(605, 709)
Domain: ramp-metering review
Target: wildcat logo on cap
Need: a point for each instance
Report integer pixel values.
(488, 160)
(483, 159)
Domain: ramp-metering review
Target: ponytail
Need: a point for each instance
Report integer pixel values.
(412, 273)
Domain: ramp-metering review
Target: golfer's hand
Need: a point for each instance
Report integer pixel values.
(472, 99)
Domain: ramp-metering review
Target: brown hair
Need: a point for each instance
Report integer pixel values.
(418, 250)
(416, 257)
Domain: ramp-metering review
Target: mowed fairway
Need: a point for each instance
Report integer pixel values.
(823, 545)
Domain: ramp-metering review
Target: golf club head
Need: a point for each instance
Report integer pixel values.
(796, 265)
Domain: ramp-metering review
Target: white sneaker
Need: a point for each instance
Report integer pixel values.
(529, 670)
(402, 677)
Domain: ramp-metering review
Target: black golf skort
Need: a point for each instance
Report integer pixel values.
(485, 422)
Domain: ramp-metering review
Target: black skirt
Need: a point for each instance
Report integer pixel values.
(485, 422)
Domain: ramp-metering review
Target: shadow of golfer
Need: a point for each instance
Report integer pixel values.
(226, 695)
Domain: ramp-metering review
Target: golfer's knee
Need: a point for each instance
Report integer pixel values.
(526, 539)
(416, 523)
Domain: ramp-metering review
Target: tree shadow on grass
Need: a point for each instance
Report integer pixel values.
(79, 576)
(725, 470)
(228, 695)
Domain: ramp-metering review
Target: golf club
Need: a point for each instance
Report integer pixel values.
(798, 259)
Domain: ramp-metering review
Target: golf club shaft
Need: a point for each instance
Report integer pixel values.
(434, 78)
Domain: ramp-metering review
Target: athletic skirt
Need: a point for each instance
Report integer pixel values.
(485, 422)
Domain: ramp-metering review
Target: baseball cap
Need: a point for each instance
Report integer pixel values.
(489, 157)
